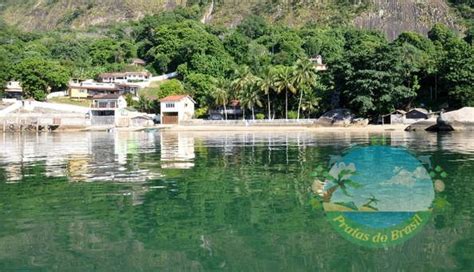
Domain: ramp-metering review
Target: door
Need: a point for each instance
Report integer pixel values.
(170, 118)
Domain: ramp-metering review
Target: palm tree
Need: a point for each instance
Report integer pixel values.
(371, 200)
(242, 77)
(284, 80)
(242, 82)
(266, 84)
(250, 96)
(221, 95)
(305, 77)
(341, 181)
(254, 99)
(309, 103)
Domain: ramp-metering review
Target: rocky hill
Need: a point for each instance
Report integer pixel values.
(390, 16)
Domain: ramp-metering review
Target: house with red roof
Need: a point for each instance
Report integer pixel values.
(176, 109)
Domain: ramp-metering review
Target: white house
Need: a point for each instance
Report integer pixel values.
(105, 108)
(109, 101)
(126, 77)
(176, 108)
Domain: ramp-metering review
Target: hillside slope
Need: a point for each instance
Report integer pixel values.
(390, 16)
(51, 14)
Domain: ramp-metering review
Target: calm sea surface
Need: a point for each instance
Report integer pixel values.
(200, 201)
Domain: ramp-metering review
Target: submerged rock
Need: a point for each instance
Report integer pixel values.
(422, 125)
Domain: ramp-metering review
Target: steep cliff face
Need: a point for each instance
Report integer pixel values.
(394, 17)
(390, 16)
(51, 14)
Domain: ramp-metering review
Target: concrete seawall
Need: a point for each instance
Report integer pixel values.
(34, 121)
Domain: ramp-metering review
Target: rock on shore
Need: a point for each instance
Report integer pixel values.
(340, 118)
(462, 119)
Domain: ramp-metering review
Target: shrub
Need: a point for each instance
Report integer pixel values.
(292, 115)
(201, 112)
(259, 116)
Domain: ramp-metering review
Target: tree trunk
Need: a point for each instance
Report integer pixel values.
(253, 113)
(299, 104)
(286, 104)
(269, 109)
(328, 194)
(243, 115)
(225, 111)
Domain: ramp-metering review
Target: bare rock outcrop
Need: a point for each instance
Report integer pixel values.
(394, 16)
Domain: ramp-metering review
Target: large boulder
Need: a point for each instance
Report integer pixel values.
(462, 119)
(341, 118)
(336, 117)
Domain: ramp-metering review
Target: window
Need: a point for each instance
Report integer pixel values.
(169, 105)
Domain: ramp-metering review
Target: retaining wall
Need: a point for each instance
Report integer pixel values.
(275, 122)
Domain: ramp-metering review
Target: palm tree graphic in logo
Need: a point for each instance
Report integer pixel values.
(340, 177)
(371, 200)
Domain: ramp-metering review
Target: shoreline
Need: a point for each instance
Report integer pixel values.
(229, 128)
(369, 128)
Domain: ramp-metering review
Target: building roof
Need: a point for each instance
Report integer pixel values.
(123, 74)
(106, 96)
(398, 111)
(176, 98)
(138, 61)
(91, 85)
(13, 86)
(142, 117)
(420, 110)
(95, 88)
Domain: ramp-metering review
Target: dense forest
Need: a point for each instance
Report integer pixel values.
(264, 66)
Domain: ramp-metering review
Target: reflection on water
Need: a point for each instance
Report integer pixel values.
(177, 150)
(208, 201)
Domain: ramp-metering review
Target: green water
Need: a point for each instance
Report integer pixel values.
(182, 201)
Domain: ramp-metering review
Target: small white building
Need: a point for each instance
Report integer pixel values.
(318, 63)
(13, 90)
(395, 117)
(409, 117)
(176, 108)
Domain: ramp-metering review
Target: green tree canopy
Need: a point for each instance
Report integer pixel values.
(39, 76)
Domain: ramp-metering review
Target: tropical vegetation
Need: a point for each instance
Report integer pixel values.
(264, 66)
